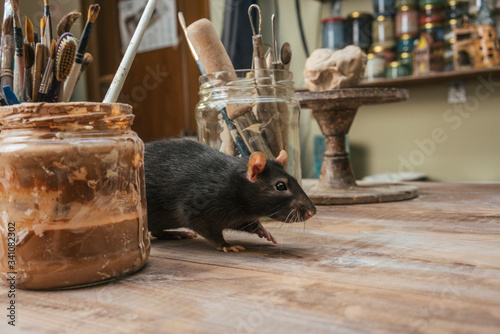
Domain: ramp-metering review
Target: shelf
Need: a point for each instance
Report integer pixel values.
(431, 78)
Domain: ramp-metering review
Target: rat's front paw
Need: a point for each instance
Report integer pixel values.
(228, 248)
(263, 233)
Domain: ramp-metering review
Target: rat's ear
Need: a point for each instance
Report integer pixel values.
(256, 164)
(282, 158)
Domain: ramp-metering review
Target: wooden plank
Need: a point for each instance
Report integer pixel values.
(428, 265)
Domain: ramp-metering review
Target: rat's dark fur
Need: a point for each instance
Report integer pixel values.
(193, 186)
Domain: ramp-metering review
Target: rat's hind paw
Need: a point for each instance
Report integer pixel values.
(228, 248)
(263, 233)
(175, 235)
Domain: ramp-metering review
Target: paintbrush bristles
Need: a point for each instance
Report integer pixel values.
(88, 59)
(65, 58)
(43, 22)
(46, 2)
(53, 49)
(93, 12)
(8, 26)
(30, 34)
(29, 56)
(67, 22)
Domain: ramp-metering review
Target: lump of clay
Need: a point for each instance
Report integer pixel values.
(327, 69)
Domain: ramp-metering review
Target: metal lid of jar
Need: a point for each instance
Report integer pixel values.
(355, 15)
(332, 19)
(395, 64)
(405, 55)
(407, 36)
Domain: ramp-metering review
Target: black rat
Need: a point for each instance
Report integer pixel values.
(191, 185)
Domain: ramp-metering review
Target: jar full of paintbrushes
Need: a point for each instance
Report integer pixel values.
(72, 194)
(244, 111)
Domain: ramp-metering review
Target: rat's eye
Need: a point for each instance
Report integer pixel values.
(280, 186)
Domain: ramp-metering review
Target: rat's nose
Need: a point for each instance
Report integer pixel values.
(310, 213)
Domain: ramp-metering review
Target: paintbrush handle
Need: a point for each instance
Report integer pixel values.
(46, 81)
(37, 74)
(7, 71)
(70, 83)
(28, 86)
(120, 76)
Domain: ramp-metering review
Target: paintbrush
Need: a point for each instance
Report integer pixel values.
(29, 60)
(48, 18)
(87, 61)
(45, 41)
(48, 74)
(10, 96)
(65, 58)
(7, 71)
(182, 22)
(67, 22)
(30, 38)
(38, 69)
(70, 83)
(18, 40)
(121, 74)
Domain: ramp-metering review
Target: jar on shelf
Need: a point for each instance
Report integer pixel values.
(422, 3)
(358, 30)
(406, 59)
(409, 3)
(434, 29)
(448, 57)
(333, 33)
(260, 105)
(456, 9)
(396, 70)
(407, 21)
(448, 35)
(375, 67)
(72, 193)
(384, 6)
(405, 43)
(431, 14)
(383, 30)
(387, 53)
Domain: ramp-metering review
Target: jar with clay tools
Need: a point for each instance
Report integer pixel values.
(72, 194)
(358, 30)
(407, 21)
(244, 111)
(383, 30)
(333, 33)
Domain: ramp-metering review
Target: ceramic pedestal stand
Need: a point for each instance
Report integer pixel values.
(335, 110)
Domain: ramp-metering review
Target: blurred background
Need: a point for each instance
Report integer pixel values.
(393, 138)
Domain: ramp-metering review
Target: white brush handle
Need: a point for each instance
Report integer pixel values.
(69, 85)
(122, 72)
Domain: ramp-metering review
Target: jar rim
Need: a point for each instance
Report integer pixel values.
(56, 115)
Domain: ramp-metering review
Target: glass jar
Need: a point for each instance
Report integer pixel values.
(448, 34)
(262, 107)
(333, 33)
(435, 30)
(396, 70)
(384, 6)
(358, 30)
(405, 43)
(375, 67)
(410, 3)
(456, 9)
(72, 193)
(383, 29)
(406, 60)
(387, 53)
(407, 21)
(431, 14)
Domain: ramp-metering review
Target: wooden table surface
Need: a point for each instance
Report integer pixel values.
(428, 265)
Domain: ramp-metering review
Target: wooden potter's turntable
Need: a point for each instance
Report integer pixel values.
(335, 111)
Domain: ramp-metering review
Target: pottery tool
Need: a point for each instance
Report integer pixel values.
(48, 73)
(120, 76)
(67, 22)
(48, 18)
(69, 85)
(38, 70)
(212, 57)
(18, 40)
(7, 71)
(10, 96)
(267, 113)
(182, 22)
(29, 60)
